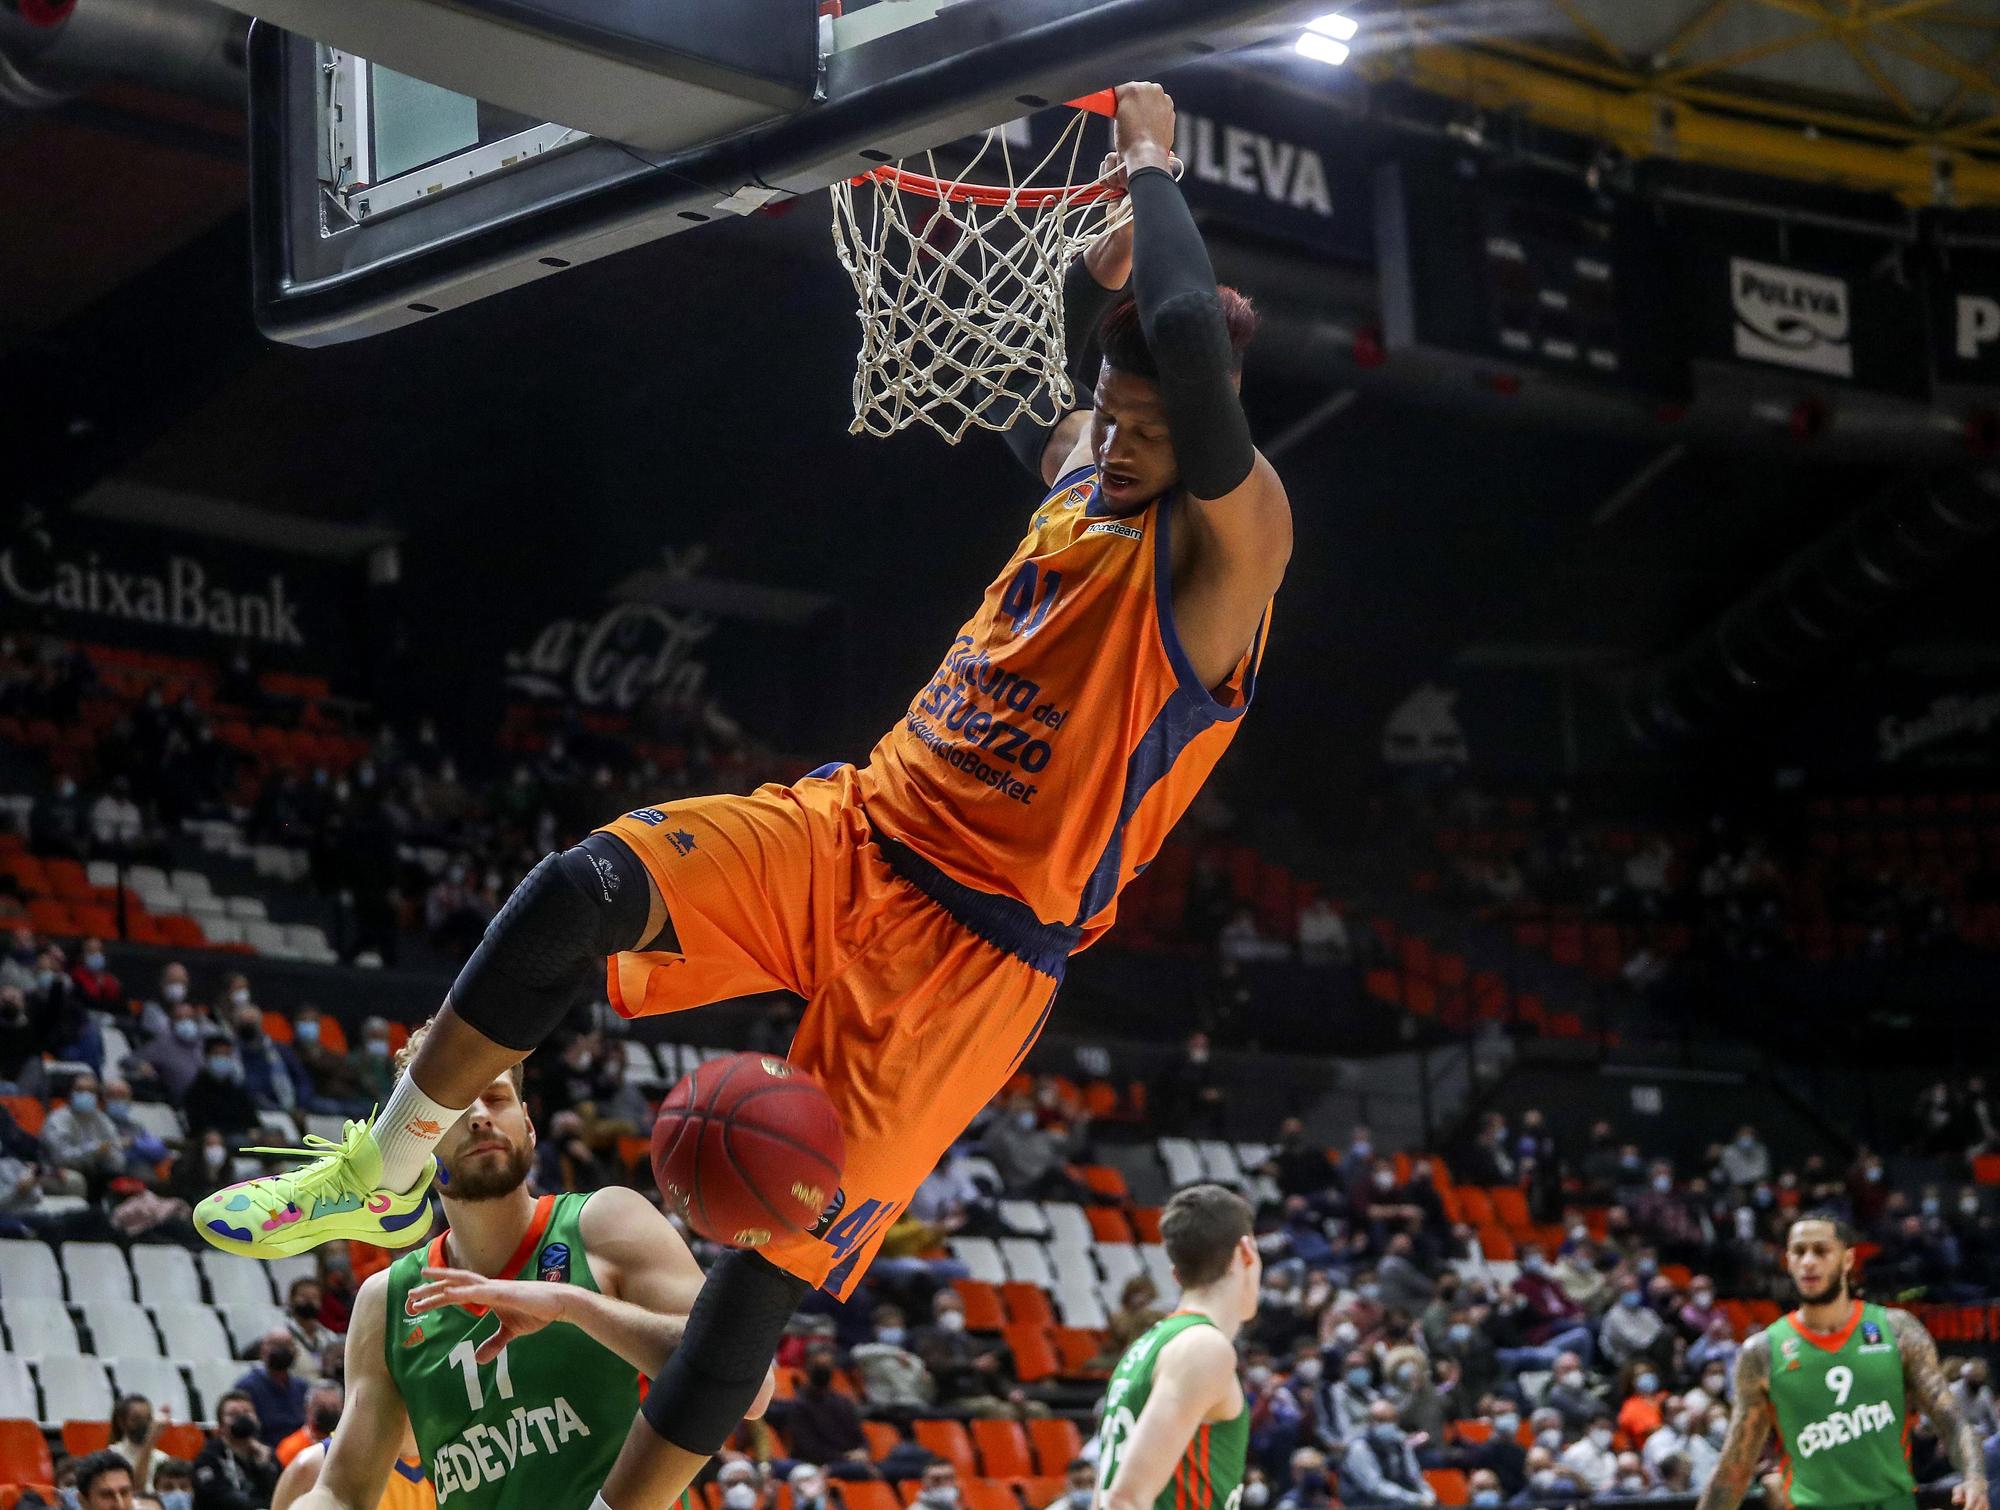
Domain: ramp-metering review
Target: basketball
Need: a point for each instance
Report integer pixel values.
(748, 1148)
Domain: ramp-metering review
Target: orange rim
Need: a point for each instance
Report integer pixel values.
(986, 194)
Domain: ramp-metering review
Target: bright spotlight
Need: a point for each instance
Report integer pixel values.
(1321, 49)
(1340, 28)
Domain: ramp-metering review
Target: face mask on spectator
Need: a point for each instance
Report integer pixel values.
(306, 1030)
(325, 1419)
(305, 1310)
(952, 1321)
(1389, 1435)
(177, 1499)
(186, 1029)
(1460, 1333)
(1570, 1378)
(1025, 1119)
(1346, 1334)
(1406, 1375)
(278, 1359)
(94, 961)
(1631, 1300)
(1506, 1424)
(740, 1496)
(1663, 1183)
(1257, 1495)
(1551, 1438)
(1483, 1497)
(1385, 1179)
(1544, 1478)
(1648, 1267)
(214, 1155)
(1702, 1299)
(1968, 1205)
(1631, 1483)
(1359, 1378)
(173, 992)
(120, 1108)
(1647, 1383)
(1258, 1377)
(225, 1067)
(944, 1496)
(1079, 1499)
(83, 1103)
(1308, 1370)
(1600, 1436)
(1534, 1263)
(889, 1336)
(379, 1047)
(1875, 1174)
(242, 1426)
(1369, 1291)
(819, 1376)
(1714, 1383)
(1718, 1428)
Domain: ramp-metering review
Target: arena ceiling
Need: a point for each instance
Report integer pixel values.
(1900, 96)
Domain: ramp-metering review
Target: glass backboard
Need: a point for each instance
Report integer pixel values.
(380, 198)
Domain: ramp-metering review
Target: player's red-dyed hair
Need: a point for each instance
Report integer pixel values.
(1123, 340)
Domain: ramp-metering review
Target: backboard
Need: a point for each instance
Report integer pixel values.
(402, 168)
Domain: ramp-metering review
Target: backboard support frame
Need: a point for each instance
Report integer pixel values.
(593, 198)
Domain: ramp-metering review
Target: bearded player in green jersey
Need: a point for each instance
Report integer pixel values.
(515, 1345)
(1838, 1377)
(1176, 1426)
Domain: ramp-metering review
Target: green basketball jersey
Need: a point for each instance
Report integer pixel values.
(1839, 1407)
(538, 1427)
(1209, 1475)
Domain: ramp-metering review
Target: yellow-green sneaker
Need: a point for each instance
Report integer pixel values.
(332, 1198)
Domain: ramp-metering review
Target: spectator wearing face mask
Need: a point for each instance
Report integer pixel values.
(1276, 1416)
(1484, 1490)
(1031, 1158)
(1079, 1487)
(822, 1425)
(171, 992)
(1501, 1455)
(1189, 1094)
(236, 1469)
(94, 983)
(808, 1485)
(377, 1067)
(1591, 1459)
(1715, 1352)
(331, 1072)
(1631, 1481)
(310, 1336)
(274, 1389)
(1380, 1465)
(1549, 1481)
(1746, 1160)
(1347, 1402)
(1676, 1478)
(1700, 1312)
(201, 1166)
(971, 1376)
(81, 1136)
(135, 1437)
(1673, 1434)
(1306, 1487)
(743, 1486)
(1408, 1385)
(173, 1483)
(1569, 1394)
(1632, 1329)
(272, 1073)
(1551, 1322)
(323, 1404)
(1404, 1285)
(217, 1100)
(938, 1489)
(1586, 1286)
(1639, 1415)
(173, 1048)
(893, 1379)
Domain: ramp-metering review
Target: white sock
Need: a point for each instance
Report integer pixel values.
(407, 1131)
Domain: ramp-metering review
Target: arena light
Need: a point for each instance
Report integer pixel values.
(1340, 28)
(1321, 49)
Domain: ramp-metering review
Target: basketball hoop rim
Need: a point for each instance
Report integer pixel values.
(995, 196)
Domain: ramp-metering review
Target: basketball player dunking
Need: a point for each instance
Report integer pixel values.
(923, 905)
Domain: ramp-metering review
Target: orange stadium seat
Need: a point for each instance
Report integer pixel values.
(1003, 1449)
(46, 915)
(881, 1437)
(1057, 1444)
(1039, 1492)
(332, 1036)
(1510, 1206)
(863, 1494)
(982, 1305)
(1146, 1222)
(1075, 1347)
(985, 1494)
(1103, 1179)
(1034, 1356)
(1474, 1430)
(1027, 1305)
(1475, 1206)
(1450, 1486)
(24, 1454)
(1497, 1245)
(81, 1437)
(183, 932)
(277, 1027)
(1108, 1224)
(948, 1439)
(1986, 1169)
(29, 1111)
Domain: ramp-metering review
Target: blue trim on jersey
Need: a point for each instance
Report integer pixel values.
(1001, 921)
(1069, 480)
(414, 1475)
(1190, 709)
(826, 772)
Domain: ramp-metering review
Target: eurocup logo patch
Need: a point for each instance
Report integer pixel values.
(652, 817)
(553, 1265)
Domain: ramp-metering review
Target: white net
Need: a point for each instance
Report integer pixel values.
(961, 286)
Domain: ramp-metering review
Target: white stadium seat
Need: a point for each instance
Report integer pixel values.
(1069, 1228)
(222, 930)
(279, 1124)
(192, 1331)
(158, 1379)
(266, 938)
(248, 909)
(96, 1271)
(117, 1047)
(233, 1280)
(1074, 1267)
(247, 1323)
(1118, 1262)
(1154, 1258)
(325, 1125)
(28, 1271)
(1026, 1261)
(980, 1257)
(159, 1119)
(1182, 1163)
(120, 1329)
(166, 1275)
(213, 1378)
(190, 883)
(1024, 1217)
(73, 1389)
(640, 1065)
(1079, 1306)
(146, 878)
(1218, 1159)
(17, 1390)
(36, 1327)
(294, 1267)
(101, 873)
(982, 1171)
(204, 908)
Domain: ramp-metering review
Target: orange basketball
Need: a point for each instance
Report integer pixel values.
(748, 1148)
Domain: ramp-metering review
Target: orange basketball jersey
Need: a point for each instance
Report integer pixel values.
(1065, 732)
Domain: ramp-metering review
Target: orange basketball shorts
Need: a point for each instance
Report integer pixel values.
(922, 996)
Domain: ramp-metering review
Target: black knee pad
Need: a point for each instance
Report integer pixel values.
(732, 1334)
(548, 943)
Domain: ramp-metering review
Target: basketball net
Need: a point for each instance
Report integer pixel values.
(961, 284)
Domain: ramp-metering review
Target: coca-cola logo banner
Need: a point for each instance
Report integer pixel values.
(615, 658)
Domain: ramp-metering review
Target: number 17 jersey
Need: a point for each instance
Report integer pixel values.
(1064, 732)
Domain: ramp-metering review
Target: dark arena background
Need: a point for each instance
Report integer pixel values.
(1608, 869)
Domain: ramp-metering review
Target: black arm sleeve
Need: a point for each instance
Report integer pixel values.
(1084, 302)
(1174, 285)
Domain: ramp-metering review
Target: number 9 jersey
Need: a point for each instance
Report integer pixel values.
(1838, 1399)
(1065, 732)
